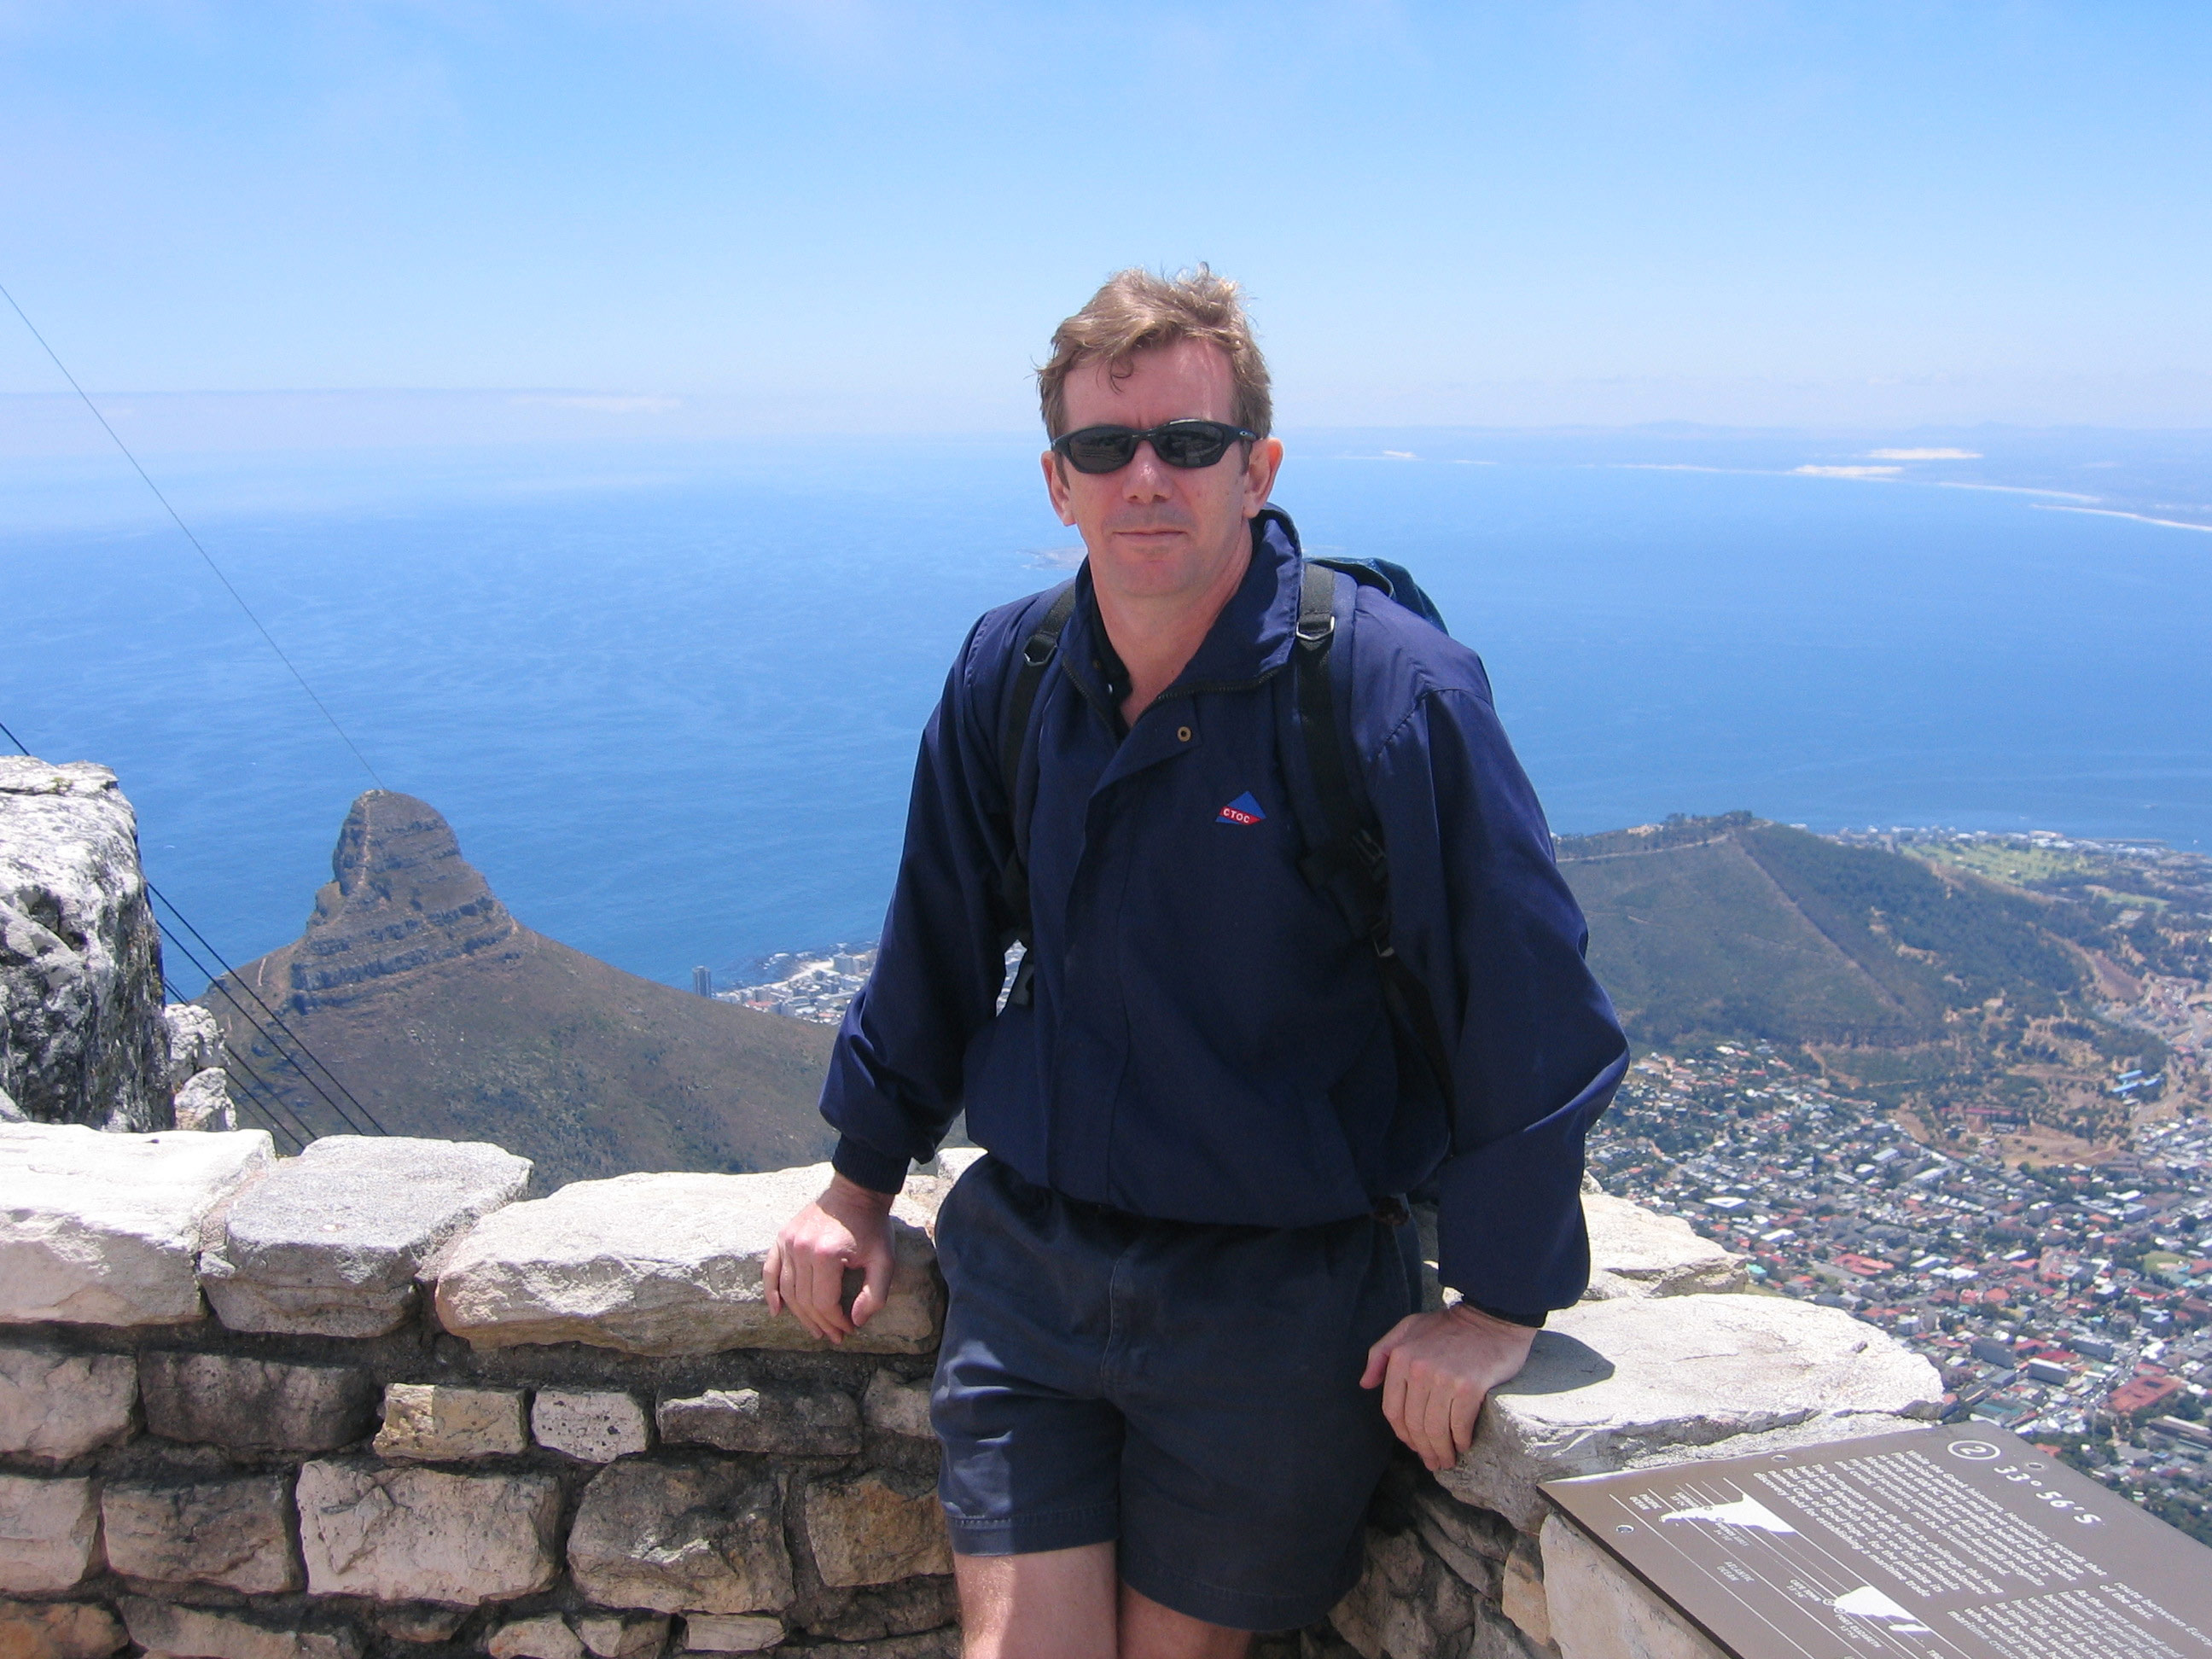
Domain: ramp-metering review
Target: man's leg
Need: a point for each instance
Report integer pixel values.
(1062, 1604)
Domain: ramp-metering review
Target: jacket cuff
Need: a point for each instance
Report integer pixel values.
(864, 1166)
(1530, 1322)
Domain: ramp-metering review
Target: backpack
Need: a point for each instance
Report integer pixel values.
(1345, 859)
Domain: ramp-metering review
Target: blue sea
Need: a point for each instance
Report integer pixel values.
(668, 698)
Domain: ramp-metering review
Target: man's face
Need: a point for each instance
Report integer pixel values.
(1154, 531)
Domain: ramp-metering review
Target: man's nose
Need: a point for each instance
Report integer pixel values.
(1145, 477)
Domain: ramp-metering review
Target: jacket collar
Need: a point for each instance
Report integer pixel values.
(1249, 641)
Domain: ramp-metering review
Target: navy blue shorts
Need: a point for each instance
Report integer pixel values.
(1190, 1390)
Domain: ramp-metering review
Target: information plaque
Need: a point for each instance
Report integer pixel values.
(1963, 1542)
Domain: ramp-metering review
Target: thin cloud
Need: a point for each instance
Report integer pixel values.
(1923, 454)
(600, 405)
(2114, 513)
(1846, 471)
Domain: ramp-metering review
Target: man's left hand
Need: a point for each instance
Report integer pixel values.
(1435, 1370)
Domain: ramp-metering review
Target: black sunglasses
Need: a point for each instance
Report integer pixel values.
(1179, 443)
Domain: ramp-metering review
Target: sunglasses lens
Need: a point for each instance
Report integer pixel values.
(1192, 443)
(1100, 448)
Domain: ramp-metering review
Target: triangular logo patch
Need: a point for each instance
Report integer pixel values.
(1242, 809)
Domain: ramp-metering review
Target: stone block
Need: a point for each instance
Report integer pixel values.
(236, 1533)
(782, 1422)
(80, 956)
(49, 1533)
(682, 1538)
(1600, 1610)
(164, 1628)
(57, 1406)
(1521, 1591)
(204, 1103)
(416, 1534)
(890, 1407)
(904, 1608)
(623, 1636)
(58, 1630)
(422, 1622)
(547, 1636)
(867, 1531)
(662, 1264)
(332, 1241)
(438, 1423)
(729, 1632)
(1474, 1544)
(928, 1645)
(1638, 1252)
(1609, 1384)
(590, 1427)
(105, 1229)
(1405, 1605)
(254, 1404)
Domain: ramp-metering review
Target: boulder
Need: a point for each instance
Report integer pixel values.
(195, 1041)
(781, 1422)
(1600, 1610)
(546, 1636)
(703, 1537)
(416, 1534)
(904, 1608)
(163, 1628)
(81, 1033)
(105, 1229)
(867, 1530)
(49, 1530)
(1611, 1384)
(58, 1630)
(330, 1243)
(729, 1632)
(1405, 1605)
(254, 1404)
(662, 1264)
(58, 1406)
(235, 1534)
(623, 1636)
(590, 1427)
(1638, 1252)
(437, 1423)
(203, 1102)
(890, 1407)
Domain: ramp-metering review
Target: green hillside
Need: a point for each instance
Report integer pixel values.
(1922, 979)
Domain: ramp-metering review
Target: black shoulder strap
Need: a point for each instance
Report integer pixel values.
(1349, 861)
(1038, 652)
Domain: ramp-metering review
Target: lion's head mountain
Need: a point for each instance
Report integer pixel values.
(447, 1017)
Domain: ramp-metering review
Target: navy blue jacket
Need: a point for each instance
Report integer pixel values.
(1207, 1039)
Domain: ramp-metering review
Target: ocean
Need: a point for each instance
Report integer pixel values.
(669, 697)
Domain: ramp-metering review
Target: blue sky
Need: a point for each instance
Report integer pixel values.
(870, 215)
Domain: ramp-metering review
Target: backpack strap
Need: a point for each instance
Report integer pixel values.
(1346, 859)
(1039, 651)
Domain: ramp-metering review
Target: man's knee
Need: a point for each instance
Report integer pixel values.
(1053, 1604)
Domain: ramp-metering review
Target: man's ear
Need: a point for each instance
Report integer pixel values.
(1055, 486)
(1261, 467)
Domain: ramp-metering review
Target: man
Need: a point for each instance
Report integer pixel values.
(1181, 1276)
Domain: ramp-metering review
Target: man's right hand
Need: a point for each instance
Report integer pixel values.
(848, 1227)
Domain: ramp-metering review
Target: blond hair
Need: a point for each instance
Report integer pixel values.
(1139, 311)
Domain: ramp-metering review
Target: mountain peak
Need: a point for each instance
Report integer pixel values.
(401, 898)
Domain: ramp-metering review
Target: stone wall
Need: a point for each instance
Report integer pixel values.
(371, 1401)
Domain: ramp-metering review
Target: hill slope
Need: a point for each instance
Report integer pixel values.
(1912, 977)
(447, 1017)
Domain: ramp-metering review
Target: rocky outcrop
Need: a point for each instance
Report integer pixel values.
(419, 994)
(401, 897)
(81, 1035)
